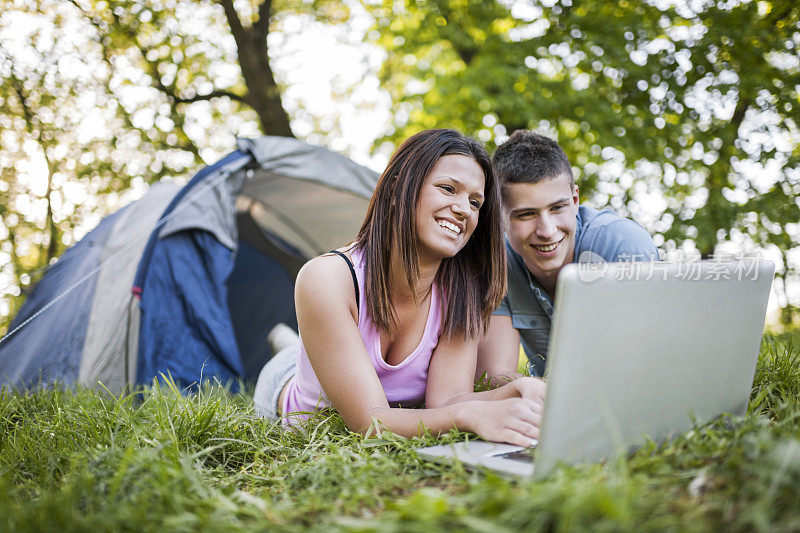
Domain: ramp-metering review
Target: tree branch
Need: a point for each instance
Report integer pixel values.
(235, 24)
(15, 261)
(150, 67)
(739, 112)
(31, 126)
(213, 94)
(774, 17)
(261, 25)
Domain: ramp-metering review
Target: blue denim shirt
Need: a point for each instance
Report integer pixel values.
(603, 233)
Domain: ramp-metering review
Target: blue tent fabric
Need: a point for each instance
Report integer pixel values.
(260, 296)
(39, 354)
(237, 157)
(185, 326)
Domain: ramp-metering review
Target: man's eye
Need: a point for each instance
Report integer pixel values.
(558, 207)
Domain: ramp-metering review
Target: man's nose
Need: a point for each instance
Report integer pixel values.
(545, 229)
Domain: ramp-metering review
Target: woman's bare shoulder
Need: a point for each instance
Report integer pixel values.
(325, 278)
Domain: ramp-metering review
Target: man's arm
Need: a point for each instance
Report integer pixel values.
(498, 352)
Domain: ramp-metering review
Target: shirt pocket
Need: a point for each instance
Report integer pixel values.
(534, 331)
(527, 321)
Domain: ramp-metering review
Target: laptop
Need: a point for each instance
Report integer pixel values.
(637, 351)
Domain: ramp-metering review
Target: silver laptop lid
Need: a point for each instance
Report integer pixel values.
(646, 348)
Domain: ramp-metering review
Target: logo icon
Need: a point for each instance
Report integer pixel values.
(591, 267)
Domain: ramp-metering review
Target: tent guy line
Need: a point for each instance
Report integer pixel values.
(210, 185)
(71, 288)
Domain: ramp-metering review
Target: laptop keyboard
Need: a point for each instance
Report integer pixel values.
(526, 456)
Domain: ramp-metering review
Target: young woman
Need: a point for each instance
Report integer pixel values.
(393, 320)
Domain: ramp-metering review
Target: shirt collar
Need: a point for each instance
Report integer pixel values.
(578, 232)
(544, 299)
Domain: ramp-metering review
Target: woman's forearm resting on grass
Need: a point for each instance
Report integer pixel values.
(513, 420)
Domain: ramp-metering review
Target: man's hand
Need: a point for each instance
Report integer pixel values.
(533, 389)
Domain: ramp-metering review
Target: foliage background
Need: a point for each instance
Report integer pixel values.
(682, 115)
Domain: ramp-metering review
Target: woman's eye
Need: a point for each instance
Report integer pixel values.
(475, 203)
(447, 188)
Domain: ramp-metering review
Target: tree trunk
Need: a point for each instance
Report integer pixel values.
(263, 94)
(717, 208)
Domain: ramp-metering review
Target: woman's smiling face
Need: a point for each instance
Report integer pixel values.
(450, 198)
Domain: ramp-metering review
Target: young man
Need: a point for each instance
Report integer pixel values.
(546, 228)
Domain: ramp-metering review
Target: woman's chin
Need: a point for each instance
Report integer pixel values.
(445, 252)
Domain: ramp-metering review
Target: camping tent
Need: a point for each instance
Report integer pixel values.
(189, 280)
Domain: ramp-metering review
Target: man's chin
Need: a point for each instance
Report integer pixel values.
(544, 267)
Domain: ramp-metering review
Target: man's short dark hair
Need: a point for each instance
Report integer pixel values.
(528, 157)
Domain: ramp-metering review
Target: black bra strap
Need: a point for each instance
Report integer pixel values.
(352, 273)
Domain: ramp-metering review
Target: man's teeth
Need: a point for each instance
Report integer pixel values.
(546, 247)
(449, 226)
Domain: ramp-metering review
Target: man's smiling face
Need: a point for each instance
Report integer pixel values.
(541, 222)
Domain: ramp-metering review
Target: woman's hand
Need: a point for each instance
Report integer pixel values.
(514, 420)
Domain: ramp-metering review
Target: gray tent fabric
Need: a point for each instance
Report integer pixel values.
(307, 195)
(105, 350)
(298, 160)
(210, 206)
(313, 219)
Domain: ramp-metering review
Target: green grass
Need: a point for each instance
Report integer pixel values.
(82, 460)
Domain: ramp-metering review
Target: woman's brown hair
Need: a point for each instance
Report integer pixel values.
(473, 281)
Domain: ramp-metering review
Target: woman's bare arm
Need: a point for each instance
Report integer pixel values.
(327, 318)
(451, 381)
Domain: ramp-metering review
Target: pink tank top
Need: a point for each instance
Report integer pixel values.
(404, 384)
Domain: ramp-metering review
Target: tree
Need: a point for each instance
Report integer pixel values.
(101, 96)
(52, 161)
(692, 106)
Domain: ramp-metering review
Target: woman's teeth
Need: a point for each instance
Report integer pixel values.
(449, 226)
